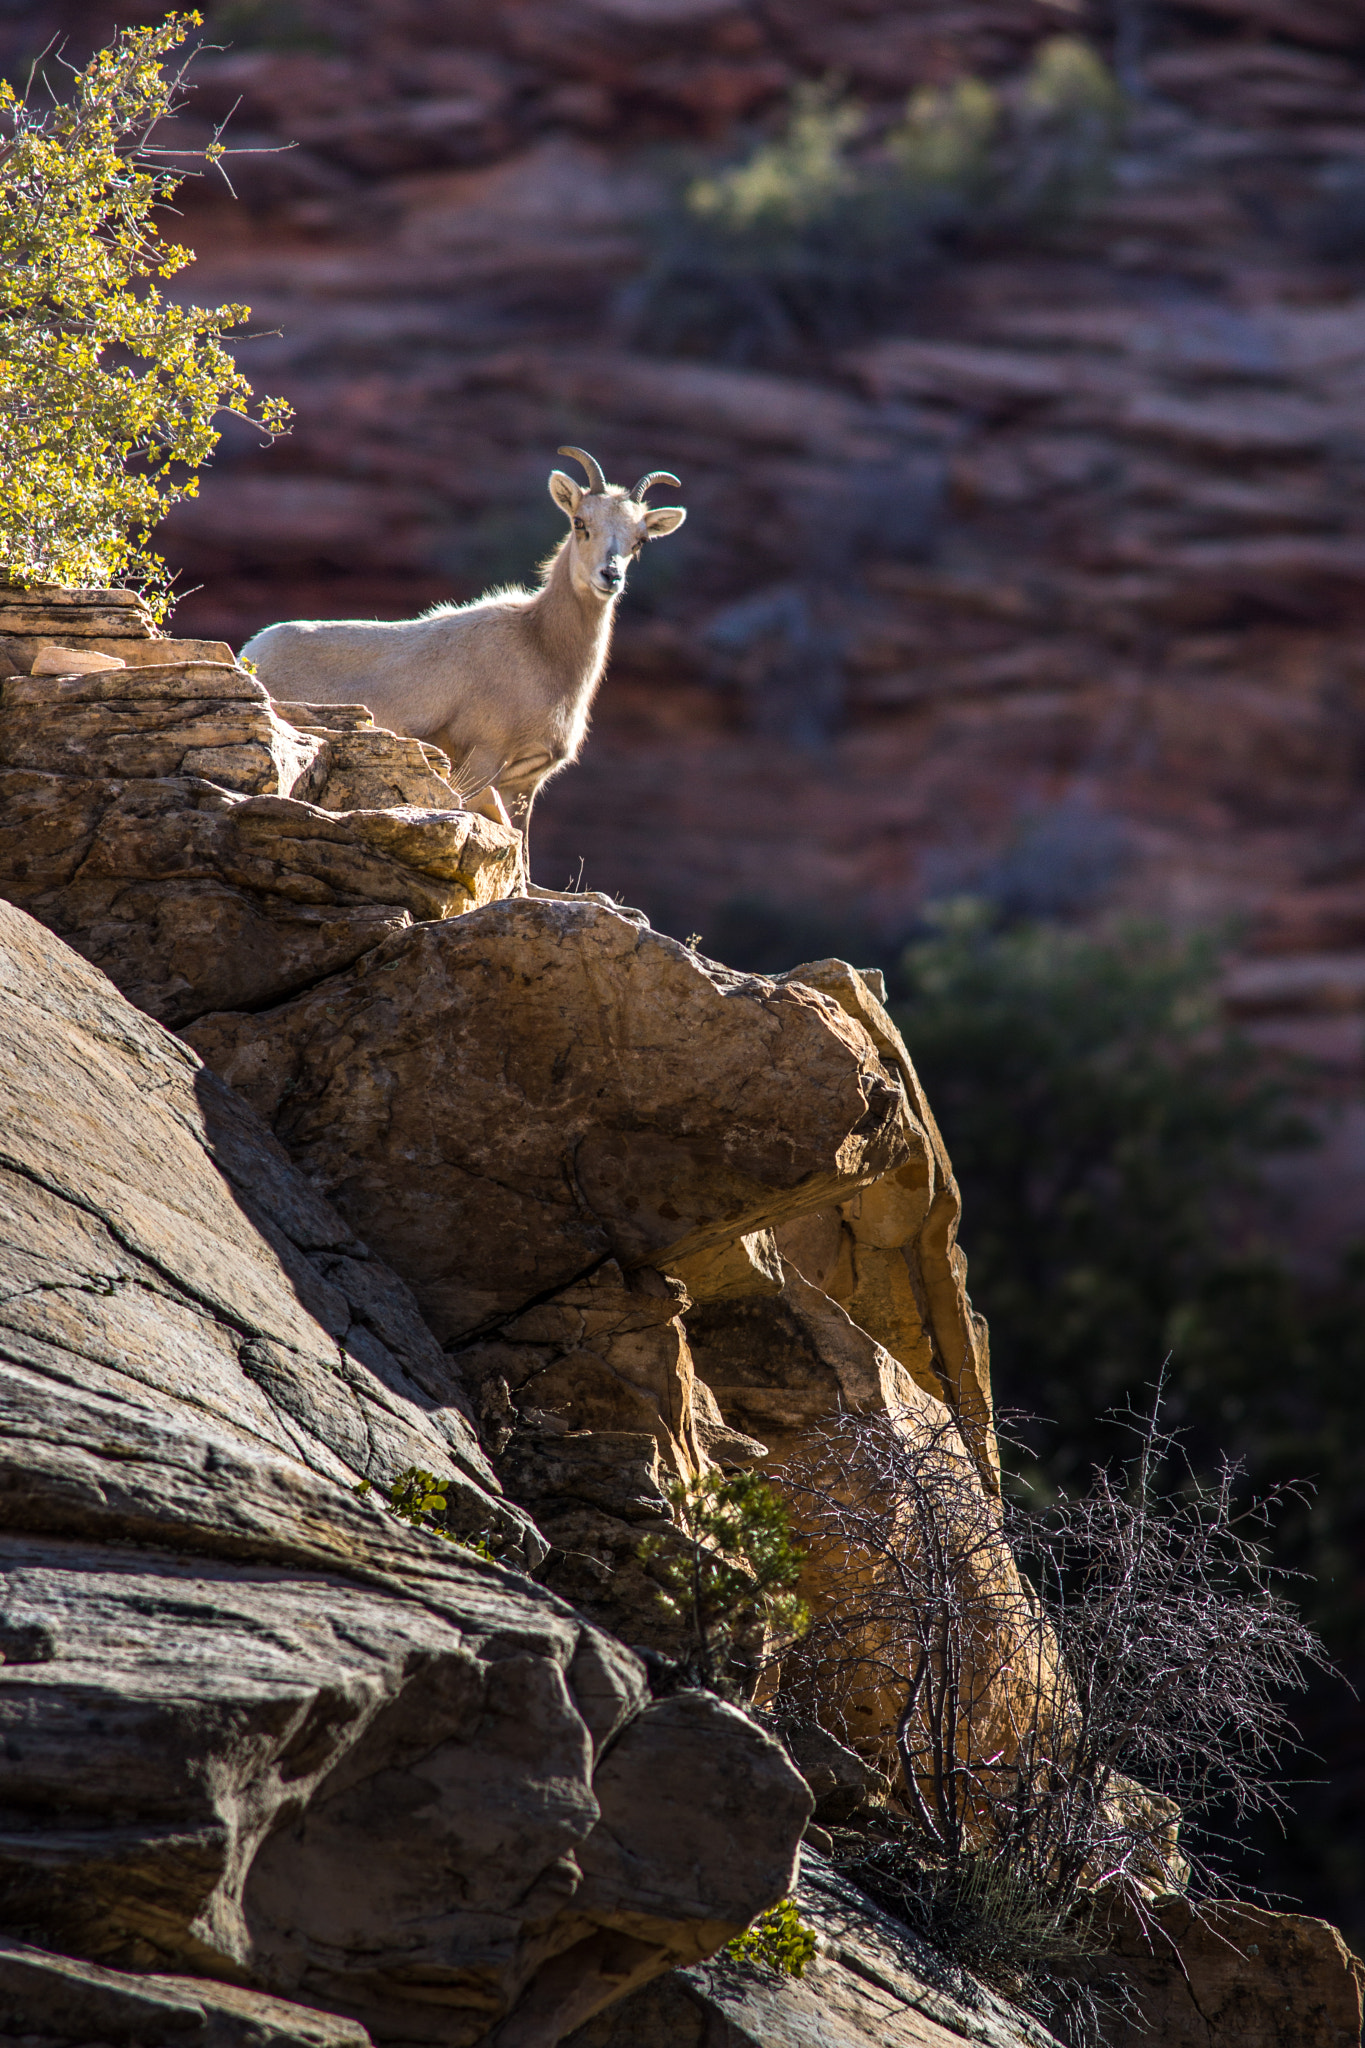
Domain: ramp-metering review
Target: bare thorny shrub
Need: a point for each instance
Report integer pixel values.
(1068, 1685)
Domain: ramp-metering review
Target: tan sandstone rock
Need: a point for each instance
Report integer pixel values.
(113, 622)
(502, 1101)
(890, 1255)
(127, 820)
(71, 661)
(192, 898)
(179, 718)
(369, 769)
(780, 1366)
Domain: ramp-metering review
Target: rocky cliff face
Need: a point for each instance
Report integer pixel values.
(263, 1744)
(515, 1190)
(253, 1728)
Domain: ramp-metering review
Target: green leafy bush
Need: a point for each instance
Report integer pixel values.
(791, 182)
(779, 1939)
(733, 1572)
(827, 228)
(944, 143)
(109, 391)
(419, 1499)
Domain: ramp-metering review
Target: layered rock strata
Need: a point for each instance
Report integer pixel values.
(160, 1247)
(167, 822)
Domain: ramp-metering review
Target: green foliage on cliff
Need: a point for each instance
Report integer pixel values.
(109, 390)
(779, 1939)
(419, 1498)
(733, 1573)
(825, 227)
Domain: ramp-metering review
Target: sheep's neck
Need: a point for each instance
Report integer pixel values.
(574, 630)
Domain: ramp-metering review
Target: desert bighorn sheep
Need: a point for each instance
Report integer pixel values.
(503, 685)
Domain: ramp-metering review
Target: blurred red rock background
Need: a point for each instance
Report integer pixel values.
(1053, 589)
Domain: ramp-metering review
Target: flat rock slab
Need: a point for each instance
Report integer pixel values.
(157, 1241)
(51, 2001)
(49, 609)
(500, 1102)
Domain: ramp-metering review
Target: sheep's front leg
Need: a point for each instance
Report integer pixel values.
(518, 785)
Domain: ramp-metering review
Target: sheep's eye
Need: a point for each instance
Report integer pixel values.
(637, 547)
(579, 527)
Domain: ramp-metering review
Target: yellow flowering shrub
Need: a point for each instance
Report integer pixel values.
(109, 391)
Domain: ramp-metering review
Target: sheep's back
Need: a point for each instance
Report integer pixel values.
(464, 673)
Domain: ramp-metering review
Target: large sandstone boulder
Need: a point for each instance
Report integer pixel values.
(250, 1726)
(584, 1146)
(501, 1102)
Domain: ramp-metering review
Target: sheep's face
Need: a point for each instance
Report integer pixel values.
(606, 533)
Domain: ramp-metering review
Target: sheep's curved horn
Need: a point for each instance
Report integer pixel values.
(596, 481)
(655, 476)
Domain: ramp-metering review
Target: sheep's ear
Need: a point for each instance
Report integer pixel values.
(565, 492)
(664, 519)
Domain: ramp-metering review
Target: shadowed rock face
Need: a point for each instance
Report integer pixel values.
(1238, 1974)
(251, 1726)
(160, 1249)
(56, 2002)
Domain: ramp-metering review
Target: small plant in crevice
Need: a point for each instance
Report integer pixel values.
(1069, 1684)
(829, 226)
(728, 1581)
(779, 1939)
(419, 1498)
